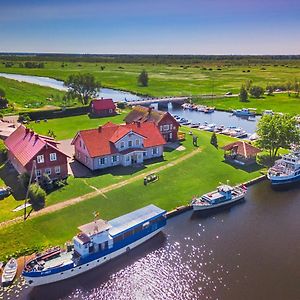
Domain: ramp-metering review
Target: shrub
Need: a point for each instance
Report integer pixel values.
(3, 151)
(37, 196)
(3, 103)
(121, 105)
(24, 179)
(143, 78)
(243, 95)
(46, 182)
(214, 140)
(256, 91)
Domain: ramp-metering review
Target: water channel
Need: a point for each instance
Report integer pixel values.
(247, 251)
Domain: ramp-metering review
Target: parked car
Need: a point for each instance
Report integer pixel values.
(5, 192)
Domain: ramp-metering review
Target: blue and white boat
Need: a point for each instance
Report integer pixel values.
(286, 170)
(98, 242)
(224, 195)
(245, 112)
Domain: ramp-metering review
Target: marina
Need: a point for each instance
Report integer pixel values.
(208, 255)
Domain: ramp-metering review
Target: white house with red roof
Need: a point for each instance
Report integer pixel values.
(27, 148)
(102, 107)
(112, 145)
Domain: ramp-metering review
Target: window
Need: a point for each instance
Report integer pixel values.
(171, 135)
(48, 171)
(102, 161)
(57, 170)
(40, 159)
(166, 127)
(161, 128)
(155, 151)
(115, 158)
(137, 142)
(52, 156)
(127, 158)
(80, 144)
(122, 145)
(129, 143)
(110, 111)
(171, 126)
(78, 154)
(38, 173)
(144, 154)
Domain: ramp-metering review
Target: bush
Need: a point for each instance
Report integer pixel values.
(243, 95)
(46, 182)
(37, 196)
(24, 179)
(3, 103)
(143, 78)
(214, 140)
(256, 91)
(24, 118)
(3, 151)
(121, 105)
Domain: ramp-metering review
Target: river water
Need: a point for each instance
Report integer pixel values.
(247, 251)
(59, 85)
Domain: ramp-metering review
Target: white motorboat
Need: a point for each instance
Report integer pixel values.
(9, 272)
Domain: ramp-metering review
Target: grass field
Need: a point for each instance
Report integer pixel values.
(277, 102)
(168, 80)
(176, 186)
(27, 96)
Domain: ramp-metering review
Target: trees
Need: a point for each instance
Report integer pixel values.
(248, 84)
(214, 140)
(82, 86)
(297, 87)
(37, 196)
(256, 91)
(143, 78)
(3, 151)
(277, 131)
(243, 94)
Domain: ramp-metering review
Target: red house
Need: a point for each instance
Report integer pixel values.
(102, 107)
(26, 147)
(166, 124)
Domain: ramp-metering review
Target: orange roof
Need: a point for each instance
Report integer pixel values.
(100, 141)
(242, 148)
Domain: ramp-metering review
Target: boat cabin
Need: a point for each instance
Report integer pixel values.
(223, 193)
(93, 237)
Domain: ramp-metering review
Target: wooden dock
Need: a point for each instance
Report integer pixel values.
(148, 101)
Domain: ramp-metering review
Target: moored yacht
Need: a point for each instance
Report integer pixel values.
(286, 170)
(224, 195)
(97, 243)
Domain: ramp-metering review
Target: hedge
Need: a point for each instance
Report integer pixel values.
(56, 113)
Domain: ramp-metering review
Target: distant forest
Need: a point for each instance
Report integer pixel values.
(156, 59)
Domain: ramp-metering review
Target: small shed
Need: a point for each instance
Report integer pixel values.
(102, 107)
(241, 153)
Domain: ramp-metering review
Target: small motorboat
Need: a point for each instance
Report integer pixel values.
(194, 125)
(9, 272)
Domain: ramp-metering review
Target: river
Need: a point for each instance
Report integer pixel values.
(59, 85)
(248, 251)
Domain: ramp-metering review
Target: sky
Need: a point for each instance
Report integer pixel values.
(150, 26)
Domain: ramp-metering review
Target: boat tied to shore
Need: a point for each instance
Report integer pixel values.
(285, 170)
(224, 195)
(9, 272)
(97, 243)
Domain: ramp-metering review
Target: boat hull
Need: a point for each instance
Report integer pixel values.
(283, 180)
(82, 268)
(208, 207)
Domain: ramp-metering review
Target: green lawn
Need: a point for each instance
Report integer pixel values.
(66, 128)
(277, 103)
(176, 186)
(170, 79)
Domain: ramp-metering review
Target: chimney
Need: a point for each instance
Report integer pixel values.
(27, 130)
(99, 128)
(138, 123)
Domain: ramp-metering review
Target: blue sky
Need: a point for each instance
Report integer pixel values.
(151, 26)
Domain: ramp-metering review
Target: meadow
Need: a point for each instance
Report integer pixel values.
(172, 79)
(176, 186)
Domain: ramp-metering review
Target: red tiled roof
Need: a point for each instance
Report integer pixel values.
(100, 141)
(242, 148)
(100, 104)
(25, 144)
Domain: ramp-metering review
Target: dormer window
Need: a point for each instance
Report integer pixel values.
(137, 142)
(122, 145)
(129, 143)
